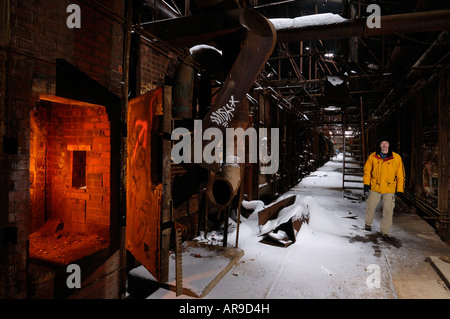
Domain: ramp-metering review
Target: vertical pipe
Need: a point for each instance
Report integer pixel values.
(183, 89)
(344, 151)
(363, 144)
(279, 69)
(315, 69)
(239, 209)
(186, 7)
(178, 260)
(123, 119)
(310, 57)
(443, 150)
(225, 225)
(301, 57)
(166, 197)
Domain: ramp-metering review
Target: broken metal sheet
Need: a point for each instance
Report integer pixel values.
(280, 230)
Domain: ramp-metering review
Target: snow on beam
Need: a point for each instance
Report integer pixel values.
(329, 26)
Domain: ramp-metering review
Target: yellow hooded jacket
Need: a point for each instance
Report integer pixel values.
(385, 176)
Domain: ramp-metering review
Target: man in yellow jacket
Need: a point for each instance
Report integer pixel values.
(384, 176)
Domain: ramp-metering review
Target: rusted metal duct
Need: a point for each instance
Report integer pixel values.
(182, 91)
(391, 24)
(223, 186)
(258, 38)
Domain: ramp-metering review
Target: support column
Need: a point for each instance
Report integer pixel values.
(416, 167)
(443, 135)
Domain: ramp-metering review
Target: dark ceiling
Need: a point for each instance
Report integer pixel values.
(377, 72)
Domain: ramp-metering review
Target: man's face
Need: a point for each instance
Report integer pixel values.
(384, 147)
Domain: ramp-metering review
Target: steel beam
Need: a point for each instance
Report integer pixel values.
(391, 24)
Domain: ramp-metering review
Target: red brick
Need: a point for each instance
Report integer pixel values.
(87, 126)
(95, 176)
(101, 147)
(96, 198)
(101, 140)
(106, 181)
(93, 183)
(102, 169)
(95, 161)
(106, 155)
(76, 195)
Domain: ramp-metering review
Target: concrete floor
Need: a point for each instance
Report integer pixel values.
(405, 267)
(415, 276)
(408, 255)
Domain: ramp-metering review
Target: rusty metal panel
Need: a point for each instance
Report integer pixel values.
(143, 230)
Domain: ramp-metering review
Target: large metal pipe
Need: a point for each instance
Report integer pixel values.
(223, 186)
(391, 24)
(183, 90)
(257, 37)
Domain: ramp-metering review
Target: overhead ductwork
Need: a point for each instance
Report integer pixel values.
(257, 38)
(329, 26)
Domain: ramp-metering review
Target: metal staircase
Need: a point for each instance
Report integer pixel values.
(353, 158)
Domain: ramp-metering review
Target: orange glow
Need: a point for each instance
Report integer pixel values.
(70, 153)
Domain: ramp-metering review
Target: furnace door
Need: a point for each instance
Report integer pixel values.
(144, 186)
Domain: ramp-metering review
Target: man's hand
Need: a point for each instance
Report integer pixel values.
(399, 194)
(366, 188)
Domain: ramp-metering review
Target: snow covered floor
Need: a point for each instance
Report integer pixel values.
(333, 257)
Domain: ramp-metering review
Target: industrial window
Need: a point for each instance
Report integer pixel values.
(79, 169)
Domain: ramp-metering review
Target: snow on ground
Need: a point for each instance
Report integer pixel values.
(331, 257)
(325, 262)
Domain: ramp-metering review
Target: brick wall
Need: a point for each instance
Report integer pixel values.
(38, 155)
(84, 209)
(36, 38)
(38, 35)
(153, 68)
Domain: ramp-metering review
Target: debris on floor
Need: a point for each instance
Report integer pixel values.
(54, 245)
